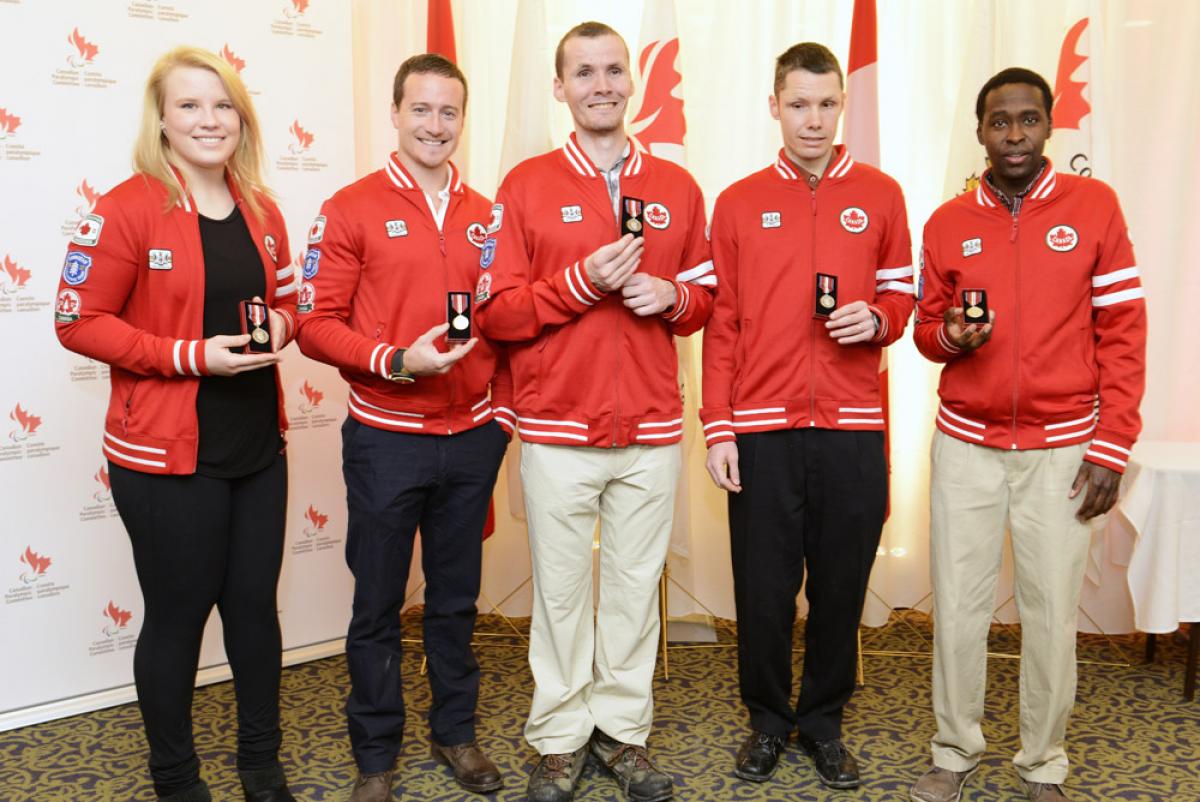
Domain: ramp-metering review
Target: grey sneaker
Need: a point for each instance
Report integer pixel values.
(1045, 792)
(939, 785)
(640, 779)
(555, 776)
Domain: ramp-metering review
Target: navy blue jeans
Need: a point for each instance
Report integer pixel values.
(395, 484)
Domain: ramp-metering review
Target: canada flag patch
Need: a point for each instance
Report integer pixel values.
(1062, 238)
(657, 215)
(854, 220)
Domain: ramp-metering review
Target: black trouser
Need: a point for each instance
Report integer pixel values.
(810, 498)
(395, 483)
(199, 541)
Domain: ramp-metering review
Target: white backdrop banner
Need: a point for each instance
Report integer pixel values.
(70, 102)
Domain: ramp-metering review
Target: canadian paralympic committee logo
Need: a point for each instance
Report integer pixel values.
(13, 277)
(100, 506)
(33, 581)
(293, 20)
(115, 619)
(81, 69)
(27, 424)
(311, 414)
(313, 528)
(299, 155)
(232, 59)
(312, 398)
(35, 566)
(9, 123)
(25, 440)
(83, 52)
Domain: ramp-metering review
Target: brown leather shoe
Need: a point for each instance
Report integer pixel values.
(372, 787)
(1045, 792)
(939, 785)
(471, 766)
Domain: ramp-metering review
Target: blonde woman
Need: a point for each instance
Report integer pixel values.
(153, 284)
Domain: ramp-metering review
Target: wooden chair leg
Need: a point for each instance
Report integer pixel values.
(1150, 647)
(1189, 676)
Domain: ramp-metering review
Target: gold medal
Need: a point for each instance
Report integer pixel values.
(974, 312)
(827, 301)
(633, 225)
(259, 336)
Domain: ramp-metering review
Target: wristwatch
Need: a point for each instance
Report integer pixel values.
(396, 371)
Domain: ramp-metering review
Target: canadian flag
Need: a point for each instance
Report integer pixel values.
(860, 132)
(658, 127)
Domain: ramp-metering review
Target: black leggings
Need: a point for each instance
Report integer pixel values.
(199, 541)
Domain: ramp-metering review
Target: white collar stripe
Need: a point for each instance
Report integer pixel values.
(577, 157)
(786, 170)
(843, 166)
(1043, 189)
(396, 173)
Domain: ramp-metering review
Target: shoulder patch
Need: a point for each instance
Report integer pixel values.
(489, 253)
(854, 219)
(67, 306)
(317, 231)
(483, 289)
(1062, 238)
(88, 230)
(76, 267)
(657, 216)
(160, 259)
(312, 263)
(497, 218)
(306, 297)
(477, 233)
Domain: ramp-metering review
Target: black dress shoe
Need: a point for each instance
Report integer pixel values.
(759, 757)
(265, 785)
(835, 765)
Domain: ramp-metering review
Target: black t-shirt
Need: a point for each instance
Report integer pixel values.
(238, 415)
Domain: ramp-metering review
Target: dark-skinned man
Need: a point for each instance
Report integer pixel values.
(1031, 299)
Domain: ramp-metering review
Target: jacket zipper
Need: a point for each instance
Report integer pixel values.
(813, 331)
(1017, 315)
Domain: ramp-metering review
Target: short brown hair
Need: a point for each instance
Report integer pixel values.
(426, 63)
(807, 56)
(584, 30)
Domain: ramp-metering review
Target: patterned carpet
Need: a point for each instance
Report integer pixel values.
(1132, 737)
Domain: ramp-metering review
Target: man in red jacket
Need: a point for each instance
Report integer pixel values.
(596, 259)
(814, 264)
(1033, 303)
(392, 260)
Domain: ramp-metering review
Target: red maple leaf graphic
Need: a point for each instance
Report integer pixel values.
(303, 138)
(35, 561)
(89, 195)
(1069, 105)
(317, 518)
(117, 615)
(16, 274)
(232, 59)
(660, 118)
(87, 50)
(313, 395)
(9, 122)
(28, 422)
(300, 5)
(101, 476)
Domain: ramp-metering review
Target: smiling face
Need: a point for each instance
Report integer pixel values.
(595, 83)
(1013, 130)
(200, 123)
(808, 106)
(429, 120)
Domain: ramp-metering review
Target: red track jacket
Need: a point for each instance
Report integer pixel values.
(376, 277)
(586, 370)
(768, 363)
(1066, 361)
(142, 312)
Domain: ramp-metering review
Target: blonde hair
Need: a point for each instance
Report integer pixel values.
(151, 153)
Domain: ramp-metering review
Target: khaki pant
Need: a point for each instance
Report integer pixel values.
(596, 671)
(975, 492)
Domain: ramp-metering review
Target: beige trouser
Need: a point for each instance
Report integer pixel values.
(595, 672)
(975, 492)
